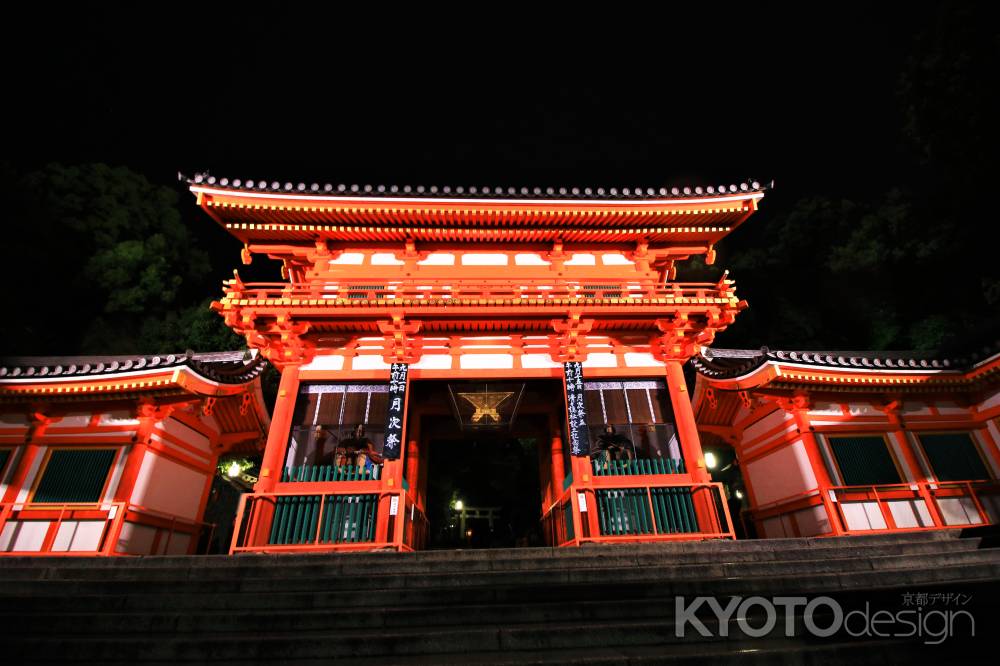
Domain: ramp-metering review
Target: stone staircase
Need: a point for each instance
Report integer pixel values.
(591, 605)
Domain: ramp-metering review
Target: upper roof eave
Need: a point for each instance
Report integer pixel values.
(743, 366)
(234, 367)
(204, 182)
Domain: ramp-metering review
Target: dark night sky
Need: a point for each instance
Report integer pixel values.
(807, 97)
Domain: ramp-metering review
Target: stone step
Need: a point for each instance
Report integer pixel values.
(363, 580)
(116, 598)
(708, 547)
(392, 641)
(411, 566)
(253, 619)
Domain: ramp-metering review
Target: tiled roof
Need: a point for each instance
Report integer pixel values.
(729, 363)
(459, 192)
(235, 367)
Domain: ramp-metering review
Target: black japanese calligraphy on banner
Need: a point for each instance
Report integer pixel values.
(579, 436)
(397, 408)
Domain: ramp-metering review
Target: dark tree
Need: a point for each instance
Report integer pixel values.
(103, 264)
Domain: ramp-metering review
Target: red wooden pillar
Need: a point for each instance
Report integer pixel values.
(687, 427)
(910, 456)
(558, 463)
(39, 423)
(694, 460)
(274, 456)
(277, 436)
(991, 447)
(583, 485)
(412, 455)
(147, 421)
(545, 473)
(823, 481)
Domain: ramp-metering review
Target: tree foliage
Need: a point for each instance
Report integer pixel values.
(103, 264)
(914, 266)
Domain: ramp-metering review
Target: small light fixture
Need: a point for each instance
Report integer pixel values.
(468, 533)
(739, 494)
(459, 505)
(233, 470)
(711, 461)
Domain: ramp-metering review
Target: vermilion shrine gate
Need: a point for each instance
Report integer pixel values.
(408, 311)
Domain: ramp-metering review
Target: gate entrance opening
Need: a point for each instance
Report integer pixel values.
(483, 492)
(480, 460)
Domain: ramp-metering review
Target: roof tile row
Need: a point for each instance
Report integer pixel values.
(728, 363)
(435, 192)
(234, 367)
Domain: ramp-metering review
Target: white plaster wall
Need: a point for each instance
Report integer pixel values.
(601, 360)
(122, 417)
(782, 473)
(349, 258)
(990, 402)
(136, 539)
(185, 433)
(166, 486)
(9, 420)
(486, 361)
(79, 535)
(773, 528)
(642, 360)
(826, 409)
(530, 259)
(438, 259)
(433, 362)
(178, 545)
(372, 362)
(812, 521)
(910, 513)
(23, 535)
(958, 511)
(532, 361)
(117, 469)
(863, 516)
(484, 259)
(772, 420)
(908, 474)
(862, 409)
(385, 259)
(325, 362)
(77, 420)
(915, 408)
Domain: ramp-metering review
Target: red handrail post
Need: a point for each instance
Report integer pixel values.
(121, 510)
(984, 517)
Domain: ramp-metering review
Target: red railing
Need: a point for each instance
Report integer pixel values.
(623, 509)
(328, 520)
(41, 526)
(558, 521)
(418, 289)
(930, 493)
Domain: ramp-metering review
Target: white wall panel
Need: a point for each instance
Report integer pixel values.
(166, 486)
(781, 474)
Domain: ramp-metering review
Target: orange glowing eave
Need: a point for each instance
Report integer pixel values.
(278, 214)
(778, 374)
(153, 382)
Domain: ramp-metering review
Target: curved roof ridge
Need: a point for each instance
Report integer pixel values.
(728, 363)
(229, 367)
(747, 186)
